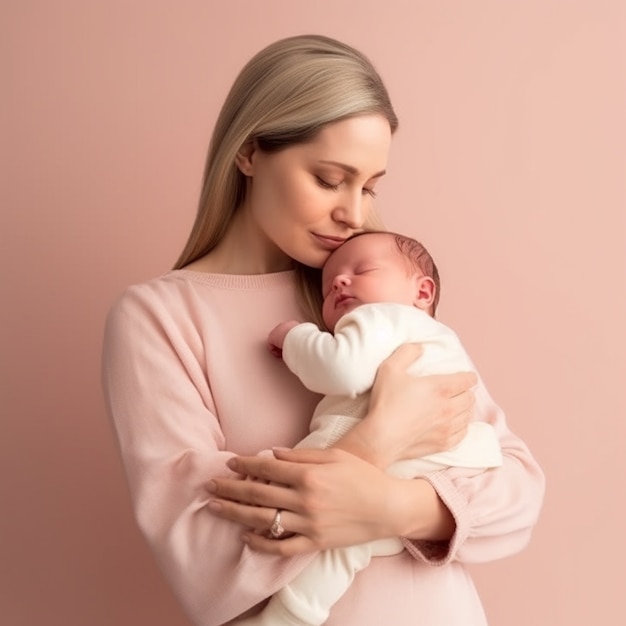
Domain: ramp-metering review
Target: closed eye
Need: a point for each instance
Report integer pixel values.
(369, 192)
(325, 184)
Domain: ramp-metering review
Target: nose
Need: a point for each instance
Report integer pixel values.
(351, 211)
(341, 280)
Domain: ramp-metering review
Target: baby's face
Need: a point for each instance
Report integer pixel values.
(365, 270)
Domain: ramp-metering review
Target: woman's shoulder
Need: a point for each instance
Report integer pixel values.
(176, 291)
(185, 307)
(149, 299)
(182, 280)
(162, 288)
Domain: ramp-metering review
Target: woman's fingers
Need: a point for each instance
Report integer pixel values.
(452, 385)
(272, 484)
(429, 413)
(457, 428)
(403, 357)
(332, 502)
(460, 408)
(258, 518)
(252, 492)
(298, 544)
(306, 455)
(266, 468)
(454, 420)
(286, 467)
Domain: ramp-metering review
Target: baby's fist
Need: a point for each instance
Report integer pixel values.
(276, 338)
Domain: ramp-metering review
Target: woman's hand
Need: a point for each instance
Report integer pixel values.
(341, 496)
(328, 498)
(409, 416)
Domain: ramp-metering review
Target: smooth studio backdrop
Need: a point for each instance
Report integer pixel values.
(510, 163)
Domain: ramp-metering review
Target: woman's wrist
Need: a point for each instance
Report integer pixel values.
(363, 441)
(415, 510)
(419, 512)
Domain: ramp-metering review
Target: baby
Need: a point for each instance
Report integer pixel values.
(380, 290)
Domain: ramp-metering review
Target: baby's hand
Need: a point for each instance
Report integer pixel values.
(276, 338)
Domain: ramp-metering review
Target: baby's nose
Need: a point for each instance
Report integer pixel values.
(341, 280)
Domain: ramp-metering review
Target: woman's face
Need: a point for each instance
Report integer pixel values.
(305, 200)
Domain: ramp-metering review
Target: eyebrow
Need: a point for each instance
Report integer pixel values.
(350, 169)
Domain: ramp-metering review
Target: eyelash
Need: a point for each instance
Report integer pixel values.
(326, 185)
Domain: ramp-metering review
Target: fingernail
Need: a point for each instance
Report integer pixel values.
(232, 464)
(211, 486)
(214, 505)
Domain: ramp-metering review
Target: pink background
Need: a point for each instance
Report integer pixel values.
(510, 164)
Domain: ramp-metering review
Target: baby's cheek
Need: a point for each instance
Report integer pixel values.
(327, 315)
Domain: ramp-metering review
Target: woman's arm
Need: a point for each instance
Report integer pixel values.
(335, 497)
(342, 496)
(494, 511)
(172, 443)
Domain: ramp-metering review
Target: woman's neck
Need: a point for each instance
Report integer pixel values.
(244, 249)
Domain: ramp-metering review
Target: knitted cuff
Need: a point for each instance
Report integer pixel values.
(442, 552)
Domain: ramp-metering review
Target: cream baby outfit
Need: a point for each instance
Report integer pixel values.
(342, 366)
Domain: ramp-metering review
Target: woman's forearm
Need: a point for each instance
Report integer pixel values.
(362, 441)
(413, 507)
(419, 512)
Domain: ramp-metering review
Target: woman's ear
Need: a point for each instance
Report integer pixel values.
(425, 291)
(244, 158)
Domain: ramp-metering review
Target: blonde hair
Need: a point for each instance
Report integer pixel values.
(283, 96)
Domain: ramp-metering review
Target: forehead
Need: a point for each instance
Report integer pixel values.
(359, 145)
(364, 140)
(374, 245)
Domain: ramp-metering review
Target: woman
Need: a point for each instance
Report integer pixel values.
(297, 151)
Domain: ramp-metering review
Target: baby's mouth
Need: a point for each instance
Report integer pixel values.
(339, 300)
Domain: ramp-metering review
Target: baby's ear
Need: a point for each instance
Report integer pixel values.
(425, 291)
(244, 158)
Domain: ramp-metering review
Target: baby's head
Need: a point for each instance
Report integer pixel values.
(378, 267)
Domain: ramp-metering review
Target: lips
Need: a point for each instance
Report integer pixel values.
(342, 299)
(328, 241)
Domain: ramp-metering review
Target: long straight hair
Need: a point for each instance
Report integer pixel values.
(283, 96)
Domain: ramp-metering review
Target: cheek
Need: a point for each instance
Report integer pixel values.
(373, 288)
(327, 313)
(309, 202)
(370, 218)
(276, 187)
(275, 204)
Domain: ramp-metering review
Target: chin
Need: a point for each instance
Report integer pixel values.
(315, 259)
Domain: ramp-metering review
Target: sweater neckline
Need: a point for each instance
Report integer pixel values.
(238, 281)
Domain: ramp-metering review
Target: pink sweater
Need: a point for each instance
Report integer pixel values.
(189, 382)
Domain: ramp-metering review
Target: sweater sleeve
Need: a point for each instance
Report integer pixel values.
(171, 444)
(344, 363)
(496, 510)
